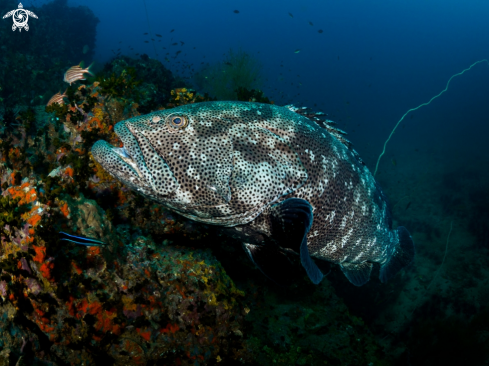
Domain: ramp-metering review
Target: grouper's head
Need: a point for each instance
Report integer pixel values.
(204, 160)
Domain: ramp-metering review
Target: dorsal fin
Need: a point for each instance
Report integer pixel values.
(320, 119)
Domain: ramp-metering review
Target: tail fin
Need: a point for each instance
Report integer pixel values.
(402, 255)
(88, 68)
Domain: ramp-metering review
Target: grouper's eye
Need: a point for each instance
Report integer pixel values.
(178, 121)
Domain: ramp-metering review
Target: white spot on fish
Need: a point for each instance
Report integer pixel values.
(331, 216)
(345, 238)
(343, 222)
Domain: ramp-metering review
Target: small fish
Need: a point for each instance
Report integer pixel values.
(146, 41)
(290, 14)
(144, 34)
(81, 240)
(174, 44)
(182, 43)
(229, 63)
(297, 50)
(85, 49)
(310, 23)
(236, 11)
(75, 73)
(320, 31)
(172, 30)
(158, 35)
(57, 98)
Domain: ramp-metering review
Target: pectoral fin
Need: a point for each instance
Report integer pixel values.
(291, 221)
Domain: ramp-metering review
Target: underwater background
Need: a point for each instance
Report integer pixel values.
(170, 291)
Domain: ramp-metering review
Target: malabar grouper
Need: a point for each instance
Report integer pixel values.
(279, 181)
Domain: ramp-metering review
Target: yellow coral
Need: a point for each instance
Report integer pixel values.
(100, 172)
(129, 304)
(98, 112)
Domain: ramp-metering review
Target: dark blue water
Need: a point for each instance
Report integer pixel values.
(373, 61)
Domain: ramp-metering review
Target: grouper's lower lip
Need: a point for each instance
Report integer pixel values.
(124, 155)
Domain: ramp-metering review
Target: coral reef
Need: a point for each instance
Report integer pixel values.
(128, 304)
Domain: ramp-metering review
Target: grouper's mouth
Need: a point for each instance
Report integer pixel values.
(129, 163)
(118, 162)
(125, 163)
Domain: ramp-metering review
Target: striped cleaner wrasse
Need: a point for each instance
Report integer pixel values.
(272, 177)
(76, 73)
(81, 240)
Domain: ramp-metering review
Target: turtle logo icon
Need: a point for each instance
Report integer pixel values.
(20, 17)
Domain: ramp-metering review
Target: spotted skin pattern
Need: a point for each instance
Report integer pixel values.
(230, 163)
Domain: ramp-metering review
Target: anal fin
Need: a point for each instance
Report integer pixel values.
(357, 274)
